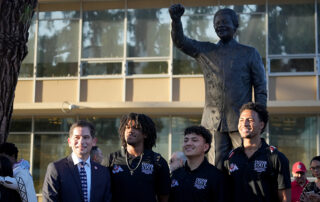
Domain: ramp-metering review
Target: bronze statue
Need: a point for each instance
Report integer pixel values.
(231, 71)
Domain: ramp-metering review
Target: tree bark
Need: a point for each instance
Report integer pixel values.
(15, 20)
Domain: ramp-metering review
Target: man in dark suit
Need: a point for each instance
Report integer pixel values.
(231, 72)
(76, 178)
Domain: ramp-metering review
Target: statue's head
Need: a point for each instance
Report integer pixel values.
(225, 23)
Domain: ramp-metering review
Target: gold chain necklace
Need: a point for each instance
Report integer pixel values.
(133, 169)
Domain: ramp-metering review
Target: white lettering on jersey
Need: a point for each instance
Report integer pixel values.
(200, 183)
(260, 166)
(147, 168)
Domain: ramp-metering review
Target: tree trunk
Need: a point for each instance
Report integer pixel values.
(15, 19)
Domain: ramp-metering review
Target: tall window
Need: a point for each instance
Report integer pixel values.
(102, 33)
(26, 69)
(58, 47)
(291, 28)
(50, 144)
(148, 32)
(20, 135)
(295, 136)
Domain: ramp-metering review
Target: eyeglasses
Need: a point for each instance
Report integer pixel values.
(315, 168)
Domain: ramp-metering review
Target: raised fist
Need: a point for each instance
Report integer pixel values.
(176, 11)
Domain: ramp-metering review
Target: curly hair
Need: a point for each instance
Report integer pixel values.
(229, 12)
(260, 109)
(82, 124)
(202, 131)
(142, 122)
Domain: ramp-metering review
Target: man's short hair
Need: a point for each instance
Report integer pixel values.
(316, 158)
(202, 131)
(9, 149)
(260, 109)
(144, 123)
(83, 124)
(229, 12)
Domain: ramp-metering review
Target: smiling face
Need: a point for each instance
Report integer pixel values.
(224, 27)
(249, 125)
(194, 145)
(133, 134)
(81, 142)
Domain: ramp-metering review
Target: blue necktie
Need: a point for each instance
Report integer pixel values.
(83, 179)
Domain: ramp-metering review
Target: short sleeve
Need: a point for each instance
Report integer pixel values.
(283, 171)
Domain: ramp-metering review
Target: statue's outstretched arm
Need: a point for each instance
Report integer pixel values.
(188, 46)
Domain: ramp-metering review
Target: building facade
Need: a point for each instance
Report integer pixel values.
(97, 60)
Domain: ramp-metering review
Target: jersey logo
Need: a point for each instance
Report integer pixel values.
(200, 183)
(174, 183)
(260, 166)
(233, 167)
(116, 169)
(147, 168)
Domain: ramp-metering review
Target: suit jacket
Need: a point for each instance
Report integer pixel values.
(230, 73)
(62, 182)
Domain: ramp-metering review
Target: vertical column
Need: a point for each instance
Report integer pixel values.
(124, 62)
(79, 53)
(170, 137)
(267, 50)
(35, 55)
(31, 144)
(316, 46)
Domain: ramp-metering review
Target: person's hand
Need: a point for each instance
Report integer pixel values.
(176, 11)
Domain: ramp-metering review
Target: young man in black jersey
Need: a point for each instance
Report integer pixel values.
(198, 180)
(258, 172)
(137, 173)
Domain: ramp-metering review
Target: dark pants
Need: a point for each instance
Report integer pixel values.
(222, 144)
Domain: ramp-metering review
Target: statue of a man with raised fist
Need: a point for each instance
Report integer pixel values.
(231, 71)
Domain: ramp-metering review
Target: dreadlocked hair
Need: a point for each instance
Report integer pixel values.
(142, 122)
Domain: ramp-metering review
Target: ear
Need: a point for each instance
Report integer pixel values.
(69, 142)
(262, 124)
(206, 147)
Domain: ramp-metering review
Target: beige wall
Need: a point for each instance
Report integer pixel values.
(282, 88)
(24, 92)
(101, 90)
(56, 91)
(285, 88)
(188, 89)
(147, 90)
